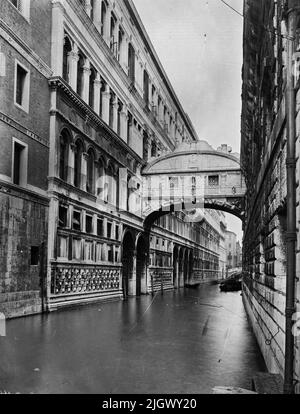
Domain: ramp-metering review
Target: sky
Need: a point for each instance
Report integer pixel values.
(199, 43)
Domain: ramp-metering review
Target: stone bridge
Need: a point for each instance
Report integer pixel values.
(193, 176)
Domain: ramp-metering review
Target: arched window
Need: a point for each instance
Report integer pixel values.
(80, 74)
(92, 87)
(77, 164)
(91, 172)
(64, 154)
(67, 50)
(103, 17)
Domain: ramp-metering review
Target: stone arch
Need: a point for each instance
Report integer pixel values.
(142, 251)
(127, 254)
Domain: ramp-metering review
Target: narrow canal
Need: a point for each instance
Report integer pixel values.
(187, 341)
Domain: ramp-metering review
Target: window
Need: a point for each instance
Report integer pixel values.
(92, 88)
(129, 128)
(89, 251)
(110, 256)
(146, 87)
(76, 222)
(117, 233)
(19, 163)
(213, 181)
(89, 224)
(98, 252)
(103, 17)
(113, 39)
(76, 253)
(120, 44)
(91, 172)
(99, 227)
(64, 155)
(131, 63)
(22, 87)
(63, 216)
(62, 247)
(80, 67)
(66, 52)
(111, 109)
(23, 7)
(78, 156)
(109, 227)
(35, 252)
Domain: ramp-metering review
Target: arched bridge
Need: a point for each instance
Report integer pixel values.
(193, 176)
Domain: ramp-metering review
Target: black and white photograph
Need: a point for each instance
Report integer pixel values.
(149, 200)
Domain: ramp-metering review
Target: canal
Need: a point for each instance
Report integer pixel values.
(186, 341)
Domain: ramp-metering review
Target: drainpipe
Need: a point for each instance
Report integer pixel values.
(291, 235)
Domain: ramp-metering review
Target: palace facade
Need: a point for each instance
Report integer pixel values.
(87, 104)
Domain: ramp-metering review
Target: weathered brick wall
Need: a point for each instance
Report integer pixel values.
(38, 26)
(265, 260)
(297, 287)
(23, 223)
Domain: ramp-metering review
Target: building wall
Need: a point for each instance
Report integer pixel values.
(264, 160)
(24, 204)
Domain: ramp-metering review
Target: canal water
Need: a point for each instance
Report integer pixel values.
(186, 341)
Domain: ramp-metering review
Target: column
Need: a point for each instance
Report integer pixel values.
(84, 171)
(115, 114)
(124, 119)
(97, 14)
(86, 81)
(97, 93)
(106, 33)
(71, 164)
(105, 104)
(73, 58)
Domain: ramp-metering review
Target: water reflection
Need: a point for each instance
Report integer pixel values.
(186, 341)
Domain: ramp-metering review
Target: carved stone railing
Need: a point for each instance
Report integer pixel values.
(72, 279)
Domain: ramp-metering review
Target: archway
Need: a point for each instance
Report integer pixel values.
(127, 262)
(141, 265)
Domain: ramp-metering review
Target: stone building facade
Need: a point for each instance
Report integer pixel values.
(24, 148)
(85, 108)
(269, 118)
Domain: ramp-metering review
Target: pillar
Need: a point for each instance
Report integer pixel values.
(105, 104)
(97, 94)
(106, 33)
(84, 171)
(115, 114)
(97, 14)
(71, 164)
(73, 58)
(86, 81)
(124, 119)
